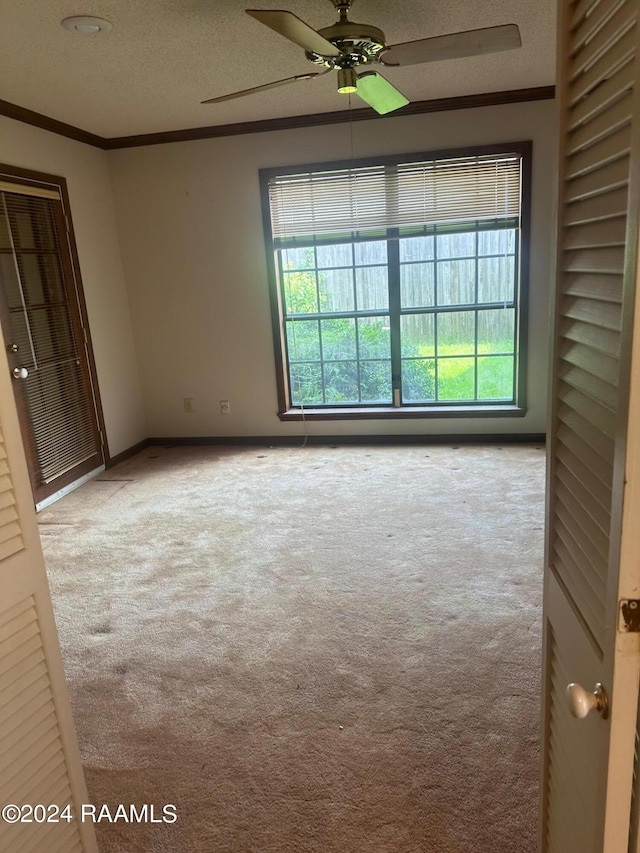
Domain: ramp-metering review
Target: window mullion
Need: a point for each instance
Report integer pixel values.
(393, 274)
(436, 302)
(475, 320)
(284, 338)
(520, 330)
(323, 378)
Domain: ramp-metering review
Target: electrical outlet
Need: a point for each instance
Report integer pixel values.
(188, 404)
(225, 408)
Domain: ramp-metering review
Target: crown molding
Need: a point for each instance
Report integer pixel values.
(464, 102)
(47, 123)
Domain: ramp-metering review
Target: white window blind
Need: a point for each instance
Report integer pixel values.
(395, 196)
(23, 189)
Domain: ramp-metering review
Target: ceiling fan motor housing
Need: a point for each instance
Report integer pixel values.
(359, 44)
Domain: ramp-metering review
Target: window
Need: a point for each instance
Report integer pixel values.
(398, 287)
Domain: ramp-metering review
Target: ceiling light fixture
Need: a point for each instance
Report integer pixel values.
(347, 80)
(86, 25)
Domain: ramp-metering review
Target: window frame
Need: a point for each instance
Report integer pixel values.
(350, 411)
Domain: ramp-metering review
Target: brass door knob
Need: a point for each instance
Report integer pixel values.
(581, 702)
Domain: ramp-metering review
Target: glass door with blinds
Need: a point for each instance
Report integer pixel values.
(46, 340)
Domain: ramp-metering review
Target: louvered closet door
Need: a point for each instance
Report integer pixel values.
(593, 528)
(46, 340)
(39, 759)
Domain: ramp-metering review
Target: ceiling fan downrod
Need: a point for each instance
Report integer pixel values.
(342, 6)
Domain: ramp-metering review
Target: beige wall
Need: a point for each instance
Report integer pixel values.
(194, 315)
(86, 171)
(192, 240)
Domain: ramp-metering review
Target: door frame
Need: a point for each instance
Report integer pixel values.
(29, 177)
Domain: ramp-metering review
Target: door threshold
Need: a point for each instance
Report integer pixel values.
(69, 488)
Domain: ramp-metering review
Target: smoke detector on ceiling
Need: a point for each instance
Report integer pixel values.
(86, 25)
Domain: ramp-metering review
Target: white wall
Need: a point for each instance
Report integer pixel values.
(86, 171)
(192, 242)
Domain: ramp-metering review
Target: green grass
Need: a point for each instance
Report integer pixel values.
(456, 379)
(456, 372)
(456, 375)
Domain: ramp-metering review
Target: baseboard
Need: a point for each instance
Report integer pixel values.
(321, 440)
(128, 453)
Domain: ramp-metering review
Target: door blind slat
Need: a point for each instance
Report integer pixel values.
(596, 537)
(604, 67)
(598, 32)
(604, 262)
(605, 124)
(602, 444)
(598, 340)
(612, 147)
(595, 510)
(604, 95)
(604, 179)
(598, 314)
(602, 393)
(590, 567)
(585, 30)
(582, 10)
(601, 478)
(585, 477)
(606, 233)
(611, 205)
(591, 409)
(605, 40)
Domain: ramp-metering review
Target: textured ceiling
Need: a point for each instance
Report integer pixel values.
(163, 57)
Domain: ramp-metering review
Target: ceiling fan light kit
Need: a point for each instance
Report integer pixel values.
(346, 46)
(347, 81)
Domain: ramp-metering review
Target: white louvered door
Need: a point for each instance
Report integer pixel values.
(592, 559)
(39, 758)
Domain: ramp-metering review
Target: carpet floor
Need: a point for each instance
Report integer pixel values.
(323, 650)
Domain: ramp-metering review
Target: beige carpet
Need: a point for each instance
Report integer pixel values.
(333, 650)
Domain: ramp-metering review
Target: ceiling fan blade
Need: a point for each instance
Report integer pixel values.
(294, 28)
(264, 87)
(376, 91)
(454, 45)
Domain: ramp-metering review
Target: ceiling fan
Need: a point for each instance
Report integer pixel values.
(350, 48)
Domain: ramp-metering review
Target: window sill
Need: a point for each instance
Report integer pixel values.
(389, 413)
